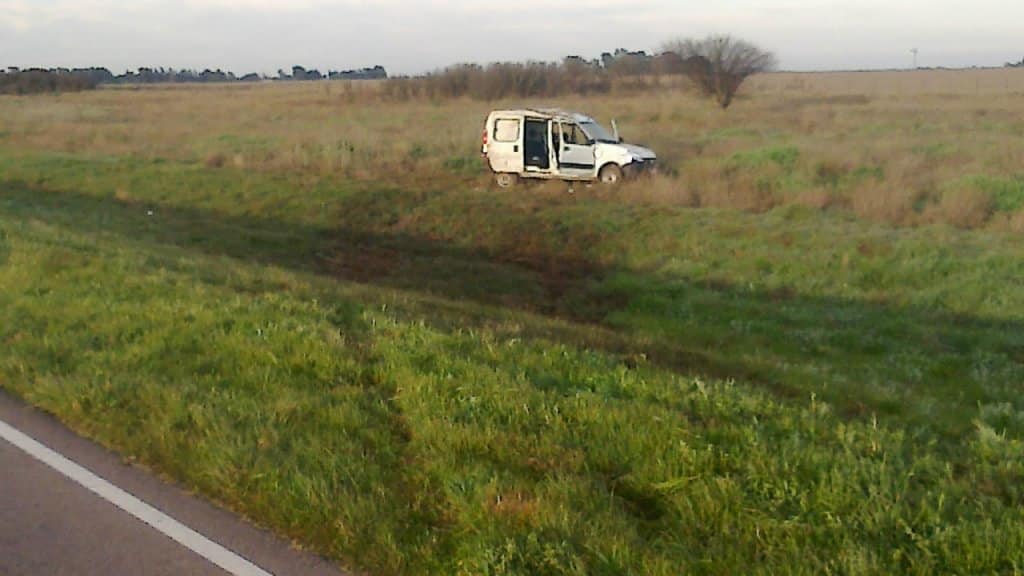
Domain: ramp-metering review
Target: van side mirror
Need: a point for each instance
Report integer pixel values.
(615, 131)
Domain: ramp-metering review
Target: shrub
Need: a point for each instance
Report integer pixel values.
(719, 64)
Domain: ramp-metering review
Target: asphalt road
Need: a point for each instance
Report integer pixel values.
(51, 524)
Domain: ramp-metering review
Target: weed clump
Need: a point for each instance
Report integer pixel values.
(964, 208)
(894, 206)
(215, 160)
(660, 190)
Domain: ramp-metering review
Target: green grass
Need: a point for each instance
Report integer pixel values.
(476, 382)
(784, 157)
(1007, 193)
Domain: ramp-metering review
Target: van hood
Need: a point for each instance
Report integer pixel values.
(626, 152)
(639, 151)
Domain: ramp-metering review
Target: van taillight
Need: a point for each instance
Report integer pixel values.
(483, 139)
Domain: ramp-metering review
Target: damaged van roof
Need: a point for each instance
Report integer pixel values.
(552, 113)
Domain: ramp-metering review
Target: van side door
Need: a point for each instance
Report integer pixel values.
(576, 151)
(505, 144)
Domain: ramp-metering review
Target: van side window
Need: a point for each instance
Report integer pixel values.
(506, 130)
(573, 134)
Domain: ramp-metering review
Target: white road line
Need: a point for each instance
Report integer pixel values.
(187, 537)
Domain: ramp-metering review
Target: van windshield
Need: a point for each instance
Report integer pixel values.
(598, 133)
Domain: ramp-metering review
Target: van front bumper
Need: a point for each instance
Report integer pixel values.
(639, 167)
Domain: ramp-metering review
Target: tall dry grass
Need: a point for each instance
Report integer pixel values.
(902, 148)
(960, 83)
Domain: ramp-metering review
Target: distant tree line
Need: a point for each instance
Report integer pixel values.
(300, 73)
(36, 80)
(716, 65)
(573, 75)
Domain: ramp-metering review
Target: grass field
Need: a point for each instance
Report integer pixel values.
(799, 351)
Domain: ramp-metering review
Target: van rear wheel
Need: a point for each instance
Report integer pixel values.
(505, 179)
(610, 175)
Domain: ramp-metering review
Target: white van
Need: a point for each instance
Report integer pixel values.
(557, 144)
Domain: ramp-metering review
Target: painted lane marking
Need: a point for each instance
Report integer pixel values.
(187, 537)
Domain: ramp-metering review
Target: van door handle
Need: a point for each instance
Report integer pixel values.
(515, 148)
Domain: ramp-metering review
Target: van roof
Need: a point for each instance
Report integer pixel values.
(552, 113)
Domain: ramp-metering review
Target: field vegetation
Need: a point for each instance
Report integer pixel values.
(799, 349)
(42, 81)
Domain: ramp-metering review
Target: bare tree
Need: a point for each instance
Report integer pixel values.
(719, 64)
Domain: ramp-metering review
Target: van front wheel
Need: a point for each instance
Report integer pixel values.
(610, 175)
(506, 179)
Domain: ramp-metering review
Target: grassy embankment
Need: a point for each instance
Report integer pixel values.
(436, 377)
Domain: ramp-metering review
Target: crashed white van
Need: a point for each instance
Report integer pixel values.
(558, 144)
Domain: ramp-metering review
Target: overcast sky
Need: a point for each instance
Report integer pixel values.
(412, 37)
